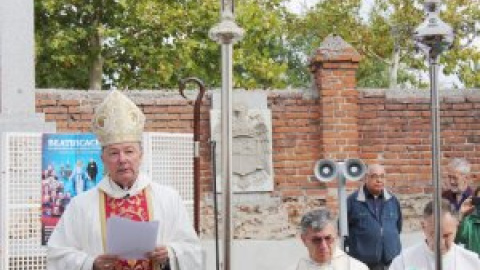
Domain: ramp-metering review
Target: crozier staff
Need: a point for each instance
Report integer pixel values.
(78, 241)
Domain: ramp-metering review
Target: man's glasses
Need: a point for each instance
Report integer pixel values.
(376, 176)
(319, 240)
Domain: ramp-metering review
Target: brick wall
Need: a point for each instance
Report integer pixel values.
(396, 129)
(336, 121)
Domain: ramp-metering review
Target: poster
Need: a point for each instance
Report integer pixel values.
(71, 164)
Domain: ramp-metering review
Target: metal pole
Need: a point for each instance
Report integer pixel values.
(213, 150)
(434, 36)
(226, 150)
(342, 200)
(226, 33)
(436, 153)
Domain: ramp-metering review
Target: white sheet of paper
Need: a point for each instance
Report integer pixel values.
(130, 239)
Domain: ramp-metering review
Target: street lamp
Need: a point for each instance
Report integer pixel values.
(226, 33)
(433, 37)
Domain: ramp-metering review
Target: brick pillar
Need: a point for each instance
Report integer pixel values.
(334, 66)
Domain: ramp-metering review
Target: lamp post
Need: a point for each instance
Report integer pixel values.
(433, 37)
(226, 33)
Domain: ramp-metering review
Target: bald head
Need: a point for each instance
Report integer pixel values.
(376, 169)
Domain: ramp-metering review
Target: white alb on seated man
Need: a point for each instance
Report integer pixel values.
(319, 234)
(422, 257)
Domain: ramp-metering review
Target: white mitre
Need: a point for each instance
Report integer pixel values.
(117, 120)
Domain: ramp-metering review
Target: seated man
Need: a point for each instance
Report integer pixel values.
(319, 235)
(421, 256)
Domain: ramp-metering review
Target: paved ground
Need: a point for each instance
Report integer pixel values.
(273, 255)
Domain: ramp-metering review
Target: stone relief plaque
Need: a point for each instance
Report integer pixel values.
(252, 142)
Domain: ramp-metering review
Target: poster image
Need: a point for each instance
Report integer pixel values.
(71, 164)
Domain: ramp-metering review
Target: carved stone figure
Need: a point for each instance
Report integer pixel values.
(251, 149)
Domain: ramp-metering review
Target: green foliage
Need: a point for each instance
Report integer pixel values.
(386, 31)
(373, 74)
(464, 58)
(399, 18)
(307, 31)
(149, 44)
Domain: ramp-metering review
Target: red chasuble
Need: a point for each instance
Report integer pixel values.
(134, 208)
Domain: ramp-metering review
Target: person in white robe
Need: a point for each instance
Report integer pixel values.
(79, 239)
(421, 255)
(319, 235)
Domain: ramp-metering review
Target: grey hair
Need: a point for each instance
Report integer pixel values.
(460, 165)
(317, 220)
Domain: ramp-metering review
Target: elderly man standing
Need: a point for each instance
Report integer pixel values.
(319, 235)
(374, 222)
(421, 256)
(78, 241)
(456, 186)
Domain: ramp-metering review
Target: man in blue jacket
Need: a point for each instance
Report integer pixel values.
(374, 222)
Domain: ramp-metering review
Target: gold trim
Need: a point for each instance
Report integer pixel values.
(148, 194)
(103, 218)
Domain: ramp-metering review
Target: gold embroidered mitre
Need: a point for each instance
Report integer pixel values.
(117, 120)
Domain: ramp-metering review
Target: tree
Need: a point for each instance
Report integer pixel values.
(391, 23)
(384, 38)
(399, 18)
(307, 31)
(464, 58)
(69, 37)
(152, 44)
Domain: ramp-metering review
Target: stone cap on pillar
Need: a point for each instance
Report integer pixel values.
(334, 50)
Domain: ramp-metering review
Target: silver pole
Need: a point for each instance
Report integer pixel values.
(434, 36)
(226, 33)
(226, 108)
(342, 200)
(436, 153)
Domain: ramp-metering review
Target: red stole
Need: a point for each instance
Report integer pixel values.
(135, 208)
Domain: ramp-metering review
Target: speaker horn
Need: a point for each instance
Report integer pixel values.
(355, 169)
(325, 170)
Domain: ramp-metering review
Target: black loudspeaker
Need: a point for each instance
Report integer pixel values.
(325, 170)
(355, 169)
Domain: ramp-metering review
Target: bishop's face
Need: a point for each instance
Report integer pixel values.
(320, 243)
(122, 162)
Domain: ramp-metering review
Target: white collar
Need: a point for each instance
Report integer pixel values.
(448, 258)
(337, 254)
(113, 190)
